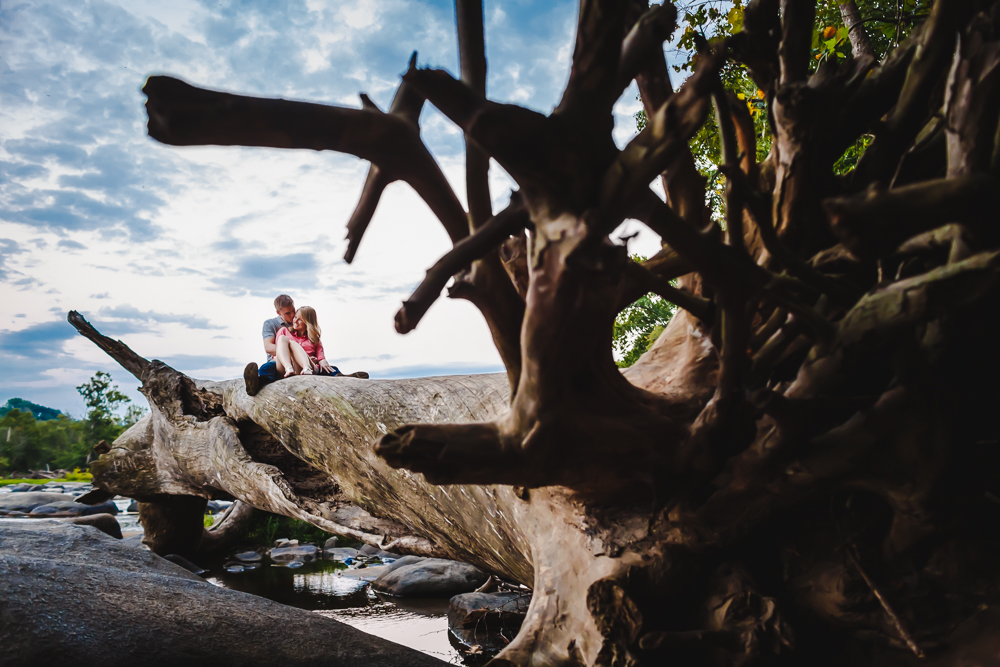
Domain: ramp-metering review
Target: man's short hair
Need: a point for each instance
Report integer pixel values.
(283, 301)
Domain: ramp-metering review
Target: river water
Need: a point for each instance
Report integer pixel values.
(329, 589)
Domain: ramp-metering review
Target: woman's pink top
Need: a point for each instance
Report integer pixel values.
(312, 350)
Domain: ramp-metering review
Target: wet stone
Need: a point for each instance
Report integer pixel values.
(247, 557)
(412, 576)
(304, 553)
(342, 554)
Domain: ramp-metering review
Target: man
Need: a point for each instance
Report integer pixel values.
(254, 377)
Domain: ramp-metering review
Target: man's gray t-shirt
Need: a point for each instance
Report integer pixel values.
(271, 327)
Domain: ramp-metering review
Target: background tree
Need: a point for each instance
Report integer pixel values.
(639, 325)
(802, 469)
(31, 438)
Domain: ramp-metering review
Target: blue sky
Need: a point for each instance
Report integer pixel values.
(179, 252)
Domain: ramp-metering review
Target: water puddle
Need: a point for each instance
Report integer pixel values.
(330, 589)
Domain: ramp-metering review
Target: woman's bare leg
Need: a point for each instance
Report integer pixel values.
(283, 356)
(299, 358)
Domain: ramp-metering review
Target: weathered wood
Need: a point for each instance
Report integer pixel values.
(801, 470)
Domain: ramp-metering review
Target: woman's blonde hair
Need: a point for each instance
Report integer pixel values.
(308, 315)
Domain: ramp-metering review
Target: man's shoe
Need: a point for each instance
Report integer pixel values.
(251, 379)
(358, 374)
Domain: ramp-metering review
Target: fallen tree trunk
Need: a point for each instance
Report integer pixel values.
(802, 470)
(303, 447)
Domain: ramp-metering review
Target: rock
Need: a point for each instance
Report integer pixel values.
(341, 553)
(74, 596)
(247, 557)
(302, 553)
(429, 577)
(106, 523)
(487, 620)
(29, 500)
(133, 506)
(331, 543)
(23, 487)
(71, 508)
(369, 550)
(366, 573)
(186, 564)
(134, 541)
(284, 542)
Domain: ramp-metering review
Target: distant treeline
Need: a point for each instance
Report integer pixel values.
(33, 436)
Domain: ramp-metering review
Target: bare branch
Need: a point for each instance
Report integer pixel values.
(726, 106)
(509, 221)
(876, 223)
(183, 115)
(797, 18)
(116, 349)
(592, 91)
(642, 49)
(860, 44)
(648, 281)
(524, 142)
(663, 139)
(375, 184)
(920, 94)
(472, 60)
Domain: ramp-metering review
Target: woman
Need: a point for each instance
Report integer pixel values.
(299, 349)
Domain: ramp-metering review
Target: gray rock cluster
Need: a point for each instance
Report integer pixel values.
(486, 622)
(49, 504)
(72, 595)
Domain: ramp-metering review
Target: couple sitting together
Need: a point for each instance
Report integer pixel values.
(293, 347)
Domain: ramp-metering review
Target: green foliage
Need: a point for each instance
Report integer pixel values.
(40, 412)
(887, 22)
(639, 325)
(266, 528)
(29, 442)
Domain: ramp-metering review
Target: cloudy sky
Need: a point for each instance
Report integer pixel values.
(180, 251)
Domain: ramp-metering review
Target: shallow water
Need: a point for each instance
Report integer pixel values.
(327, 588)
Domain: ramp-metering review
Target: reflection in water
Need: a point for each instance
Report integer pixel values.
(322, 586)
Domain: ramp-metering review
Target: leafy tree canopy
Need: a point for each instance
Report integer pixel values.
(40, 412)
(886, 23)
(30, 438)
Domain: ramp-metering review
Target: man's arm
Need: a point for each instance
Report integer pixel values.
(269, 346)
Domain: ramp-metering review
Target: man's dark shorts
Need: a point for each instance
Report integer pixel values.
(268, 373)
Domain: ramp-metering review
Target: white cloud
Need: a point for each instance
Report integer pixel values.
(138, 236)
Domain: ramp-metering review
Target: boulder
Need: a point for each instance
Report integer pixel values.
(369, 550)
(133, 506)
(29, 500)
(71, 508)
(72, 595)
(106, 523)
(331, 543)
(23, 487)
(487, 620)
(412, 576)
(343, 554)
(187, 565)
(303, 553)
(247, 557)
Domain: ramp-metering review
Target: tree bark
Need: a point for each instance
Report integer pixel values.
(803, 469)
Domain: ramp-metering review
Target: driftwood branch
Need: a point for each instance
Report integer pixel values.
(183, 115)
(506, 223)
